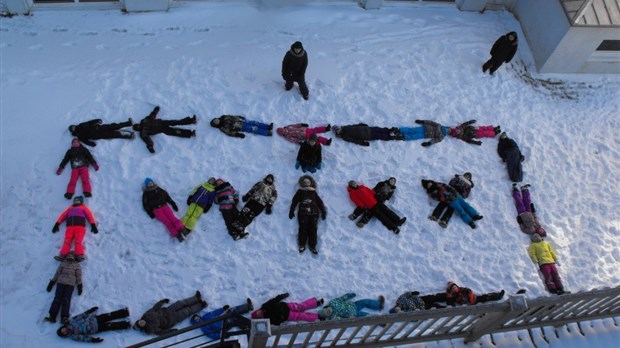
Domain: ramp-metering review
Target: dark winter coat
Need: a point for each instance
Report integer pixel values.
(503, 49)
(466, 132)
(294, 64)
(509, 151)
(310, 204)
(462, 185)
(309, 156)
(231, 125)
(263, 193)
(79, 157)
(439, 191)
(358, 134)
(275, 310)
(155, 197)
(87, 130)
(410, 301)
(384, 190)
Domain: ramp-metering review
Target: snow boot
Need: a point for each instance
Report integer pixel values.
(314, 251)
(180, 237)
(402, 221)
(60, 257)
(320, 302)
(302, 249)
(68, 195)
(249, 304)
(477, 217)
(472, 224)
(381, 302)
(432, 217)
(50, 318)
(443, 223)
(88, 194)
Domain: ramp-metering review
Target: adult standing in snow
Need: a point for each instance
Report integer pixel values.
(80, 159)
(362, 133)
(310, 207)
(151, 125)
(199, 202)
(526, 213)
(160, 320)
(278, 311)
(510, 153)
(300, 132)
(456, 295)
(261, 197)
(310, 155)
(343, 307)
(81, 327)
(75, 217)
(294, 67)
(502, 52)
(227, 197)
(364, 198)
(543, 255)
(155, 201)
(68, 276)
(95, 129)
(236, 125)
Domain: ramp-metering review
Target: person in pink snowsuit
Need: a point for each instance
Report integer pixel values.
(468, 133)
(155, 201)
(278, 311)
(300, 132)
(80, 159)
(75, 217)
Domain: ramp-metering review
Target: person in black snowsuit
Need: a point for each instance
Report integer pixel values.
(361, 133)
(294, 67)
(510, 153)
(80, 158)
(95, 129)
(309, 157)
(261, 197)
(151, 125)
(502, 52)
(443, 212)
(310, 207)
(160, 320)
(383, 192)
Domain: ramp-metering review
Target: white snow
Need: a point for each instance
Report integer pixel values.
(384, 67)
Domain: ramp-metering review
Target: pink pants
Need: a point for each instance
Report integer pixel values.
(485, 132)
(316, 130)
(74, 233)
(80, 172)
(552, 277)
(166, 216)
(297, 311)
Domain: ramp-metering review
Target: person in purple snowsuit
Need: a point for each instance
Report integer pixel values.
(526, 213)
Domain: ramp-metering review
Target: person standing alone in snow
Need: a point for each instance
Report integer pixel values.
(294, 67)
(502, 52)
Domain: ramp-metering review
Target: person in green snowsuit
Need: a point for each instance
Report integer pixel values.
(342, 307)
(199, 201)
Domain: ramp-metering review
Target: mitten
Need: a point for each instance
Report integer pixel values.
(324, 215)
(297, 165)
(79, 286)
(92, 310)
(151, 149)
(351, 295)
(245, 198)
(188, 200)
(56, 228)
(96, 339)
(291, 214)
(240, 135)
(320, 165)
(50, 285)
(427, 144)
(96, 166)
(268, 209)
(522, 158)
(166, 300)
(93, 229)
(59, 171)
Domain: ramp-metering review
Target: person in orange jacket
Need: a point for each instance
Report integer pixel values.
(75, 217)
(364, 199)
(456, 295)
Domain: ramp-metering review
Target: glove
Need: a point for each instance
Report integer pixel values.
(351, 294)
(92, 310)
(320, 165)
(297, 165)
(96, 166)
(96, 339)
(93, 229)
(79, 286)
(188, 200)
(291, 214)
(245, 198)
(166, 300)
(59, 171)
(174, 207)
(426, 144)
(50, 285)
(151, 149)
(268, 210)
(240, 135)
(522, 158)
(56, 228)
(324, 215)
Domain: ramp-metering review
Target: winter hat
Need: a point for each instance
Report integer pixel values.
(426, 183)
(258, 314)
(78, 200)
(269, 178)
(392, 181)
(215, 123)
(467, 176)
(60, 333)
(536, 238)
(72, 128)
(325, 312)
(297, 44)
(148, 181)
(514, 37)
(352, 184)
(450, 285)
(313, 138)
(75, 142)
(503, 135)
(337, 130)
(70, 257)
(211, 181)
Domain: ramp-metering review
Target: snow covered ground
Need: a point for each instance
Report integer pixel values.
(386, 67)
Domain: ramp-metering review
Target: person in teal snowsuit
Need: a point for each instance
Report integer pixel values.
(342, 307)
(199, 202)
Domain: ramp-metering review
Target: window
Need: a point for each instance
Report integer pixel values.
(609, 45)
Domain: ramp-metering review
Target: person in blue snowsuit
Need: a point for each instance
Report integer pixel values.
(428, 129)
(445, 193)
(235, 125)
(342, 307)
(214, 330)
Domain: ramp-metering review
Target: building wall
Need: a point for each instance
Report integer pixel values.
(572, 53)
